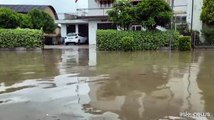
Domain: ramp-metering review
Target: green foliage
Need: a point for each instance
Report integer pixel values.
(122, 13)
(42, 20)
(184, 43)
(35, 19)
(151, 13)
(148, 13)
(49, 25)
(207, 14)
(148, 40)
(184, 29)
(8, 18)
(29, 38)
(25, 21)
(127, 43)
(208, 34)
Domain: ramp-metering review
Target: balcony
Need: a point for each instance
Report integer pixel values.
(85, 13)
(92, 12)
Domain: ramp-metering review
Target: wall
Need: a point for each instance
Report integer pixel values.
(93, 4)
(95, 9)
(50, 12)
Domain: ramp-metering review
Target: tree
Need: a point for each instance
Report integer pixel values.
(25, 21)
(207, 14)
(151, 13)
(122, 14)
(8, 18)
(42, 20)
(49, 25)
(36, 18)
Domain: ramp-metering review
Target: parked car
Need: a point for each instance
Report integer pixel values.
(75, 38)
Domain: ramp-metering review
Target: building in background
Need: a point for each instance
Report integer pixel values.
(87, 20)
(188, 11)
(194, 9)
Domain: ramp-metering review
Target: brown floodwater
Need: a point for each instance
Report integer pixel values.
(85, 84)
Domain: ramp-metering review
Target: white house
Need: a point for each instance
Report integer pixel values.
(88, 20)
(189, 11)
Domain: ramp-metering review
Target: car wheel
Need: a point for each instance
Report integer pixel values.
(69, 43)
(78, 42)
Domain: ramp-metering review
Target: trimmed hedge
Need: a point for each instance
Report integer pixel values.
(28, 38)
(143, 40)
(127, 43)
(184, 43)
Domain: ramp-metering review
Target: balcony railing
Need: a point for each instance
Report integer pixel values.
(84, 12)
(92, 11)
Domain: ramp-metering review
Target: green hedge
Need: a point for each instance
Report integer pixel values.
(150, 40)
(28, 38)
(184, 43)
(127, 43)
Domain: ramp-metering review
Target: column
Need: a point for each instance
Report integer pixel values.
(92, 56)
(63, 30)
(77, 28)
(92, 28)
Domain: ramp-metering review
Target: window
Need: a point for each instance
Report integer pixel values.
(138, 28)
(81, 35)
(71, 34)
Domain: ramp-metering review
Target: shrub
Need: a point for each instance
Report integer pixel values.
(42, 20)
(148, 40)
(49, 24)
(183, 29)
(127, 43)
(25, 21)
(8, 18)
(28, 38)
(184, 43)
(208, 35)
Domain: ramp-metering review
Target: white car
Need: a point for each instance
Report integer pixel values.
(75, 38)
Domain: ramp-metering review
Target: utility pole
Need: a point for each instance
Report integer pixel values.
(192, 15)
(172, 23)
(172, 6)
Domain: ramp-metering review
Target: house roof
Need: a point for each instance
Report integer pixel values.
(26, 8)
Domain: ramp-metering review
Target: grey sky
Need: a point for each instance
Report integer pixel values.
(61, 6)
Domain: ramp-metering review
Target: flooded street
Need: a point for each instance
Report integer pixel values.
(85, 84)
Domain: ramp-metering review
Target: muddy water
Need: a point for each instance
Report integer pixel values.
(82, 84)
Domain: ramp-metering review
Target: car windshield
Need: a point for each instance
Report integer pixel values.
(71, 34)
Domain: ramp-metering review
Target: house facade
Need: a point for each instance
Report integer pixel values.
(88, 20)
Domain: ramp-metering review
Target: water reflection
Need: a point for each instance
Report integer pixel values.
(22, 65)
(87, 84)
(205, 80)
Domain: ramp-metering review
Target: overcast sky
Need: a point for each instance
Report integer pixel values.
(61, 6)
